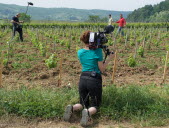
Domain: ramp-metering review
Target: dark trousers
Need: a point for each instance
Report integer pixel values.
(19, 30)
(90, 90)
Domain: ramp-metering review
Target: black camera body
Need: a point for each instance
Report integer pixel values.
(98, 39)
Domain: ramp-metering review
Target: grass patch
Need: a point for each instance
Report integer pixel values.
(136, 103)
(17, 65)
(146, 104)
(44, 103)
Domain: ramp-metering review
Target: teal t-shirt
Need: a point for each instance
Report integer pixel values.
(89, 59)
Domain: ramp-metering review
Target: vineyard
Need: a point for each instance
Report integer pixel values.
(47, 58)
(37, 60)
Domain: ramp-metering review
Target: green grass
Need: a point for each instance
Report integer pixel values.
(21, 65)
(140, 103)
(145, 104)
(44, 103)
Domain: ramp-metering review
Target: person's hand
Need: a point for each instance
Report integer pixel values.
(21, 21)
(111, 55)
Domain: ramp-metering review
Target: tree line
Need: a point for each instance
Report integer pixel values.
(149, 13)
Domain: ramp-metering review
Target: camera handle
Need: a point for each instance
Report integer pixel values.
(107, 52)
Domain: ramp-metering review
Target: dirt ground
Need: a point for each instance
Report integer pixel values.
(18, 122)
(40, 75)
(60, 124)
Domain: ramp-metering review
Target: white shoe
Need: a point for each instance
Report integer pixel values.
(85, 118)
(68, 113)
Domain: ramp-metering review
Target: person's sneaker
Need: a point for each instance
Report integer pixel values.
(68, 113)
(85, 118)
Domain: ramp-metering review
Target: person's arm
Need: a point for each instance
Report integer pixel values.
(102, 66)
(21, 21)
(118, 21)
(12, 21)
(124, 22)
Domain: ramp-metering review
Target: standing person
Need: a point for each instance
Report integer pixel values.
(122, 24)
(16, 26)
(90, 84)
(110, 21)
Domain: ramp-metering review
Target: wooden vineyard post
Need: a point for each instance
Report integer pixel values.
(1, 68)
(150, 35)
(114, 44)
(144, 41)
(165, 67)
(126, 40)
(60, 72)
(136, 50)
(54, 45)
(136, 43)
(159, 35)
(114, 67)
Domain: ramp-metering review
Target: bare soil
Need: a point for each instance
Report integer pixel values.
(18, 122)
(39, 75)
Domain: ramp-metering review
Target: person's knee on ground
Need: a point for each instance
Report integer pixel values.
(92, 111)
(77, 107)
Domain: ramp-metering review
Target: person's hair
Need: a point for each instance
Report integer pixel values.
(109, 14)
(85, 37)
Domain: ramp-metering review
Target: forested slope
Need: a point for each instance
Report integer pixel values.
(150, 13)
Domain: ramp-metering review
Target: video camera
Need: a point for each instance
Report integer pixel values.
(98, 39)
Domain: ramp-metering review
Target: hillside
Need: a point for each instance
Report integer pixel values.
(149, 13)
(59, 14)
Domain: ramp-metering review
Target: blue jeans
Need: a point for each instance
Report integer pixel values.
(120, 30)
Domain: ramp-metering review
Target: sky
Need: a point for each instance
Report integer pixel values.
(116, 5)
